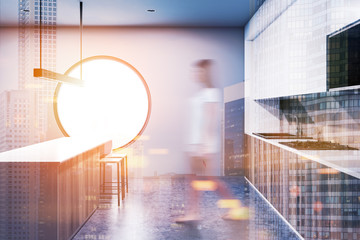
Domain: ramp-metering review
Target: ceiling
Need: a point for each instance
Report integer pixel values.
(187, 13)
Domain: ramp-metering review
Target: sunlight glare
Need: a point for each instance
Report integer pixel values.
(112, 104)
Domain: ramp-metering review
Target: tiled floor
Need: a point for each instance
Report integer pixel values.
(149, 212)
(152, 205)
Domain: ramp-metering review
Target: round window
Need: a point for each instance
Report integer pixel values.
(114, 101)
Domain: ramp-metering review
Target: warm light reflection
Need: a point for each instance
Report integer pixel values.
(229, 203)
(114, 102)
(204, 185)
(33, 86)
(241, 213)
(144, 137)
(327, 171)
(158, 151)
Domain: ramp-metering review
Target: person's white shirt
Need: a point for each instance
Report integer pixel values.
(204, 131)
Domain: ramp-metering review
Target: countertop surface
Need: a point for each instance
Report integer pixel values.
(346, 161)
(57, 150)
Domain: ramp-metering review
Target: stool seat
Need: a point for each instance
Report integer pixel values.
(111, 160)
(116, 155)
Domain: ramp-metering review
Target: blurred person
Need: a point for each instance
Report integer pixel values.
(203, 144)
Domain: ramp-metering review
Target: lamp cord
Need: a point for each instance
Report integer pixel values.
(40, 30)
(81, 28)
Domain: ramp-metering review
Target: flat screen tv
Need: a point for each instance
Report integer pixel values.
(343, 57)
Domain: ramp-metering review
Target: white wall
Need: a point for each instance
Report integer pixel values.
(234, 92)
(285, 52)
(287, 43)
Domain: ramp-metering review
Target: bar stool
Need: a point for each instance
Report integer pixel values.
(119, 160)
(124, 171)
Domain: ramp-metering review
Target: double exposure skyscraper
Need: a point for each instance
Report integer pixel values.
(18, 113)
(37, 46)
(255, 5)
(302, 115)
(24, 121)
(234, 138)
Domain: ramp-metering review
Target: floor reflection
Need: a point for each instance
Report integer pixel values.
(152, 205)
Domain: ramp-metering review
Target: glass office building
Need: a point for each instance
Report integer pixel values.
(17, 118)
(37, 47)
(234, 140)
(302, 113)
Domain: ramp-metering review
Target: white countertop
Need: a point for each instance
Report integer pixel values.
(346, 161)
(57, 150)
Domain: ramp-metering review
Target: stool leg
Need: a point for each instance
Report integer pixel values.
(104, 166)
(118, 184)
(122, 179)
(127, 176)
(100, 179)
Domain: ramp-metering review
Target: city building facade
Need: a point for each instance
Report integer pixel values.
(37, 49)
(302, 113)
(17, 119)
(234, 138)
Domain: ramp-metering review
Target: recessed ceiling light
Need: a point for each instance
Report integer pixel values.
(151, 10)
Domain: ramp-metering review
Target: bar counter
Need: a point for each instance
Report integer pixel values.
(49, 190)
